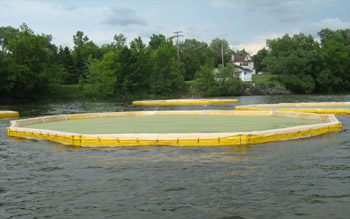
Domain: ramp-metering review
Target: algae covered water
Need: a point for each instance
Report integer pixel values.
(172, 124)
(297, 178)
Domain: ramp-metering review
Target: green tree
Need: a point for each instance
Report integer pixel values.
(102, 76)
(7, 33)
(298, 83)
(221, 47)
(164, 78)
(120, 41)
(229, 81)
(65, 59)
(340, 36)
(242, 51)
(142, 67)
(27, 70)
(194, 54)
(83, 52)
(258, 58)
(296, 60)
(156, 41)
(335, 76)
(205, 82)
(80, 67)
(124, 82)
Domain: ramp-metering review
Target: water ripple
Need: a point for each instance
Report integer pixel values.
(298, 178)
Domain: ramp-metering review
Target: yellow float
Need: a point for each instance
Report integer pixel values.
(174, 128)
(8, 114)
(184, 102)
(337, 108)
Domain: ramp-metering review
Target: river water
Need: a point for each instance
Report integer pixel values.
(305, 178)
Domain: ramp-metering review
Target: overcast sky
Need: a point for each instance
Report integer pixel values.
(243, 23)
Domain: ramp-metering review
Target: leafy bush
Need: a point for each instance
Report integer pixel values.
(301, 84)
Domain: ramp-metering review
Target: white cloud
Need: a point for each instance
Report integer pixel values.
(284, 11)
(70, 7)
(122, 16)
(66, 5)
(252, 48)
(255, 43)
(244, 24)
(331, 23)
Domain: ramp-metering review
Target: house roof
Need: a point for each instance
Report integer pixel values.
(247, 70)
(240, 57)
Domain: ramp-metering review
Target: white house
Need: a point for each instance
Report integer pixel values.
(244, 61)
(245, 74)
(245, 64)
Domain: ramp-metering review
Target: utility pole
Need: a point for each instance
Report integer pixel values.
(177, 35)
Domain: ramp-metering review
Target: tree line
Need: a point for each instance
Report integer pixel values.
(307, 66)
(33, 68)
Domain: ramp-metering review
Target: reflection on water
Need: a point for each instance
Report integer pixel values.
(298, 178)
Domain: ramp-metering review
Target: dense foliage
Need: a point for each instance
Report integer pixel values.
(32, 68)
(307, 66)
(224, 81)
(27, 64)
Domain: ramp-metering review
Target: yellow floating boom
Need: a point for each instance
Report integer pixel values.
(8, 114)
(329, 124)
(337, 108)
(185, 102)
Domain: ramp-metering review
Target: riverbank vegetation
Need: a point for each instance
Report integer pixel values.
(33, 68)
(305, 66)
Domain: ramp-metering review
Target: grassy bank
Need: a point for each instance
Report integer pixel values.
(265, 79)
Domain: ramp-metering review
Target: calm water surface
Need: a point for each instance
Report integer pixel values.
(306, 178)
